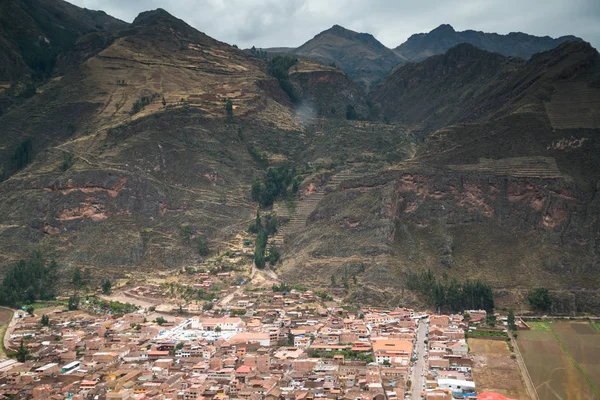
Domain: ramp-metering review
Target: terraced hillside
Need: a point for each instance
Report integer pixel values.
(298, 213)
(471, 164)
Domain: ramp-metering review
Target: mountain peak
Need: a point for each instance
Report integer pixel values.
(338, 30)
(153, 17)
(444, 28)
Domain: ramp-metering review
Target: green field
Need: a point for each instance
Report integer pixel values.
(563, 359)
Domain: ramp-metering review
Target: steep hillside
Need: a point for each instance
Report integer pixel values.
(516, 44)
(486, 167)
(34, 32)
(467, 84)
(136, 142)
(510, 197)
(362, 56)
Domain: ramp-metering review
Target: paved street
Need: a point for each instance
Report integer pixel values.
(419, 367)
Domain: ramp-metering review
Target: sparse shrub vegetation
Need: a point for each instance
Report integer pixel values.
(143, 102)
(68, 161)
(258, 156)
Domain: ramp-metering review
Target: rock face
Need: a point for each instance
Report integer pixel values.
(327, 91)
(517, 44)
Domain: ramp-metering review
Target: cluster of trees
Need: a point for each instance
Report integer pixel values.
(451, 295)
(29, 281)
(259, 53)
(279, 67)
(348, 355)
(263, 230)
(277, 182)
(143, 102)
(539, 299)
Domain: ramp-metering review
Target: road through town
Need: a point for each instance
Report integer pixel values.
(419, 368)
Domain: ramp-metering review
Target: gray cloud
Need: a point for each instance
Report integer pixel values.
(270, 23)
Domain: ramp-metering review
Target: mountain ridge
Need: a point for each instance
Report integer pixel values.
(472, 164)
(422, 45)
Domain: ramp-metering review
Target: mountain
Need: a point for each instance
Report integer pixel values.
(516, 44)
(504, 187)
(34, 32)
(472, 164)
(362, 56)
(135, 143)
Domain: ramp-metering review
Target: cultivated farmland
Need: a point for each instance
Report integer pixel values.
(552, 370)
(494, 370)
(582, 341)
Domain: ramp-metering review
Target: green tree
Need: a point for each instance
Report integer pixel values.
(202, 245)
(76, 278)
(106, 286)
(510, 319)
(332, 280)
(186, 233)
(229, 108)
(30, 310)
(539, 299)
(256, 189)
(259, 249)
(387, 363)
(160, 320)
(45, 321)
(218, 328)
(22, 352)
(164, 102)
(73, 302)
(351, 112)
(290, 338)
(274, 254)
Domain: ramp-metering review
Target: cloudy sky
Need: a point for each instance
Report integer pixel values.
(270, 23)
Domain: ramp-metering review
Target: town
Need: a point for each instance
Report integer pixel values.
(242, 342)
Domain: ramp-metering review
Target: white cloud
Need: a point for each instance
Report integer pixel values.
(268, 23)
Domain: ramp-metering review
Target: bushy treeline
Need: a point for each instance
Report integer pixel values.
(263, 230)
(275, 184)
(451, 295)
(259, 53)
(28, 281)
(279, 67)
